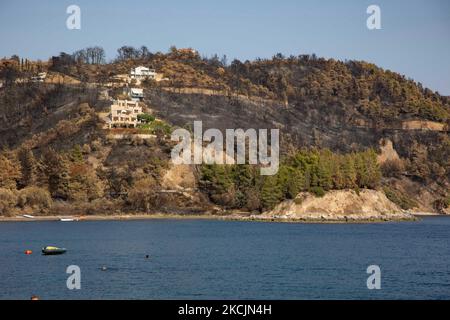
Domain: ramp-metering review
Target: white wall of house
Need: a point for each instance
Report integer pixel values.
(137, 94)
(142, 72)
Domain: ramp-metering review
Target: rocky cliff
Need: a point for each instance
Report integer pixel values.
(339, 205)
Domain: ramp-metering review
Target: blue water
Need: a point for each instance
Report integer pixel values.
(197, 259)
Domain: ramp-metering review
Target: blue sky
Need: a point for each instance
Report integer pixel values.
(414, 39)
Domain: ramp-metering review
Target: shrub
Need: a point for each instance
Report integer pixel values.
(318, 191)
(146, 118)
(143, 195)
(9, 173)
(399, 198)
(96, 145)
(36, 198)
(226, 198)
(441, 204)
(86, 149)
(136, 140)
(253, 200)
(103, 206)
(8, 200)
(65, 128)
(393, 168)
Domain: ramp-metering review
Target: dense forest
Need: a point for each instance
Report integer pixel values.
(315, 171)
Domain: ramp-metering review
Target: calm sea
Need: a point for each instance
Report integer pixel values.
(197, 259)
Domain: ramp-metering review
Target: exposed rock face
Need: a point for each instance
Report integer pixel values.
(179, 176)
(338, 205)
(388, 153)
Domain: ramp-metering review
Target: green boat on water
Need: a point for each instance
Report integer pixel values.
(50, 250)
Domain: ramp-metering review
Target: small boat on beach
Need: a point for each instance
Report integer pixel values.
(50, 250)
(66, 219)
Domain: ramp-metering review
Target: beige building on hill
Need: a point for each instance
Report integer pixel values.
(124, 114)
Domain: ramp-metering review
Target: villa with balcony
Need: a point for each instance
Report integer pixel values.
(124, 113)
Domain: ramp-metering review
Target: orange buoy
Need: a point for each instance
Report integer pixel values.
(28, 252)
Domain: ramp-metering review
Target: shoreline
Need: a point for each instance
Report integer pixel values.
(231, 217)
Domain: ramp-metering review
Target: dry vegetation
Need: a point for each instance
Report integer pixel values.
(57, 156)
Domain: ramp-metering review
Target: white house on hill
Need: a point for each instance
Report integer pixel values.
(141, 73)
(40, 77)
(136, 94)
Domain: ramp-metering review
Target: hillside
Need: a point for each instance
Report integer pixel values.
(57, 154)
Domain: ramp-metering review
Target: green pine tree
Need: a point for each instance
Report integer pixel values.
(271, 193)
